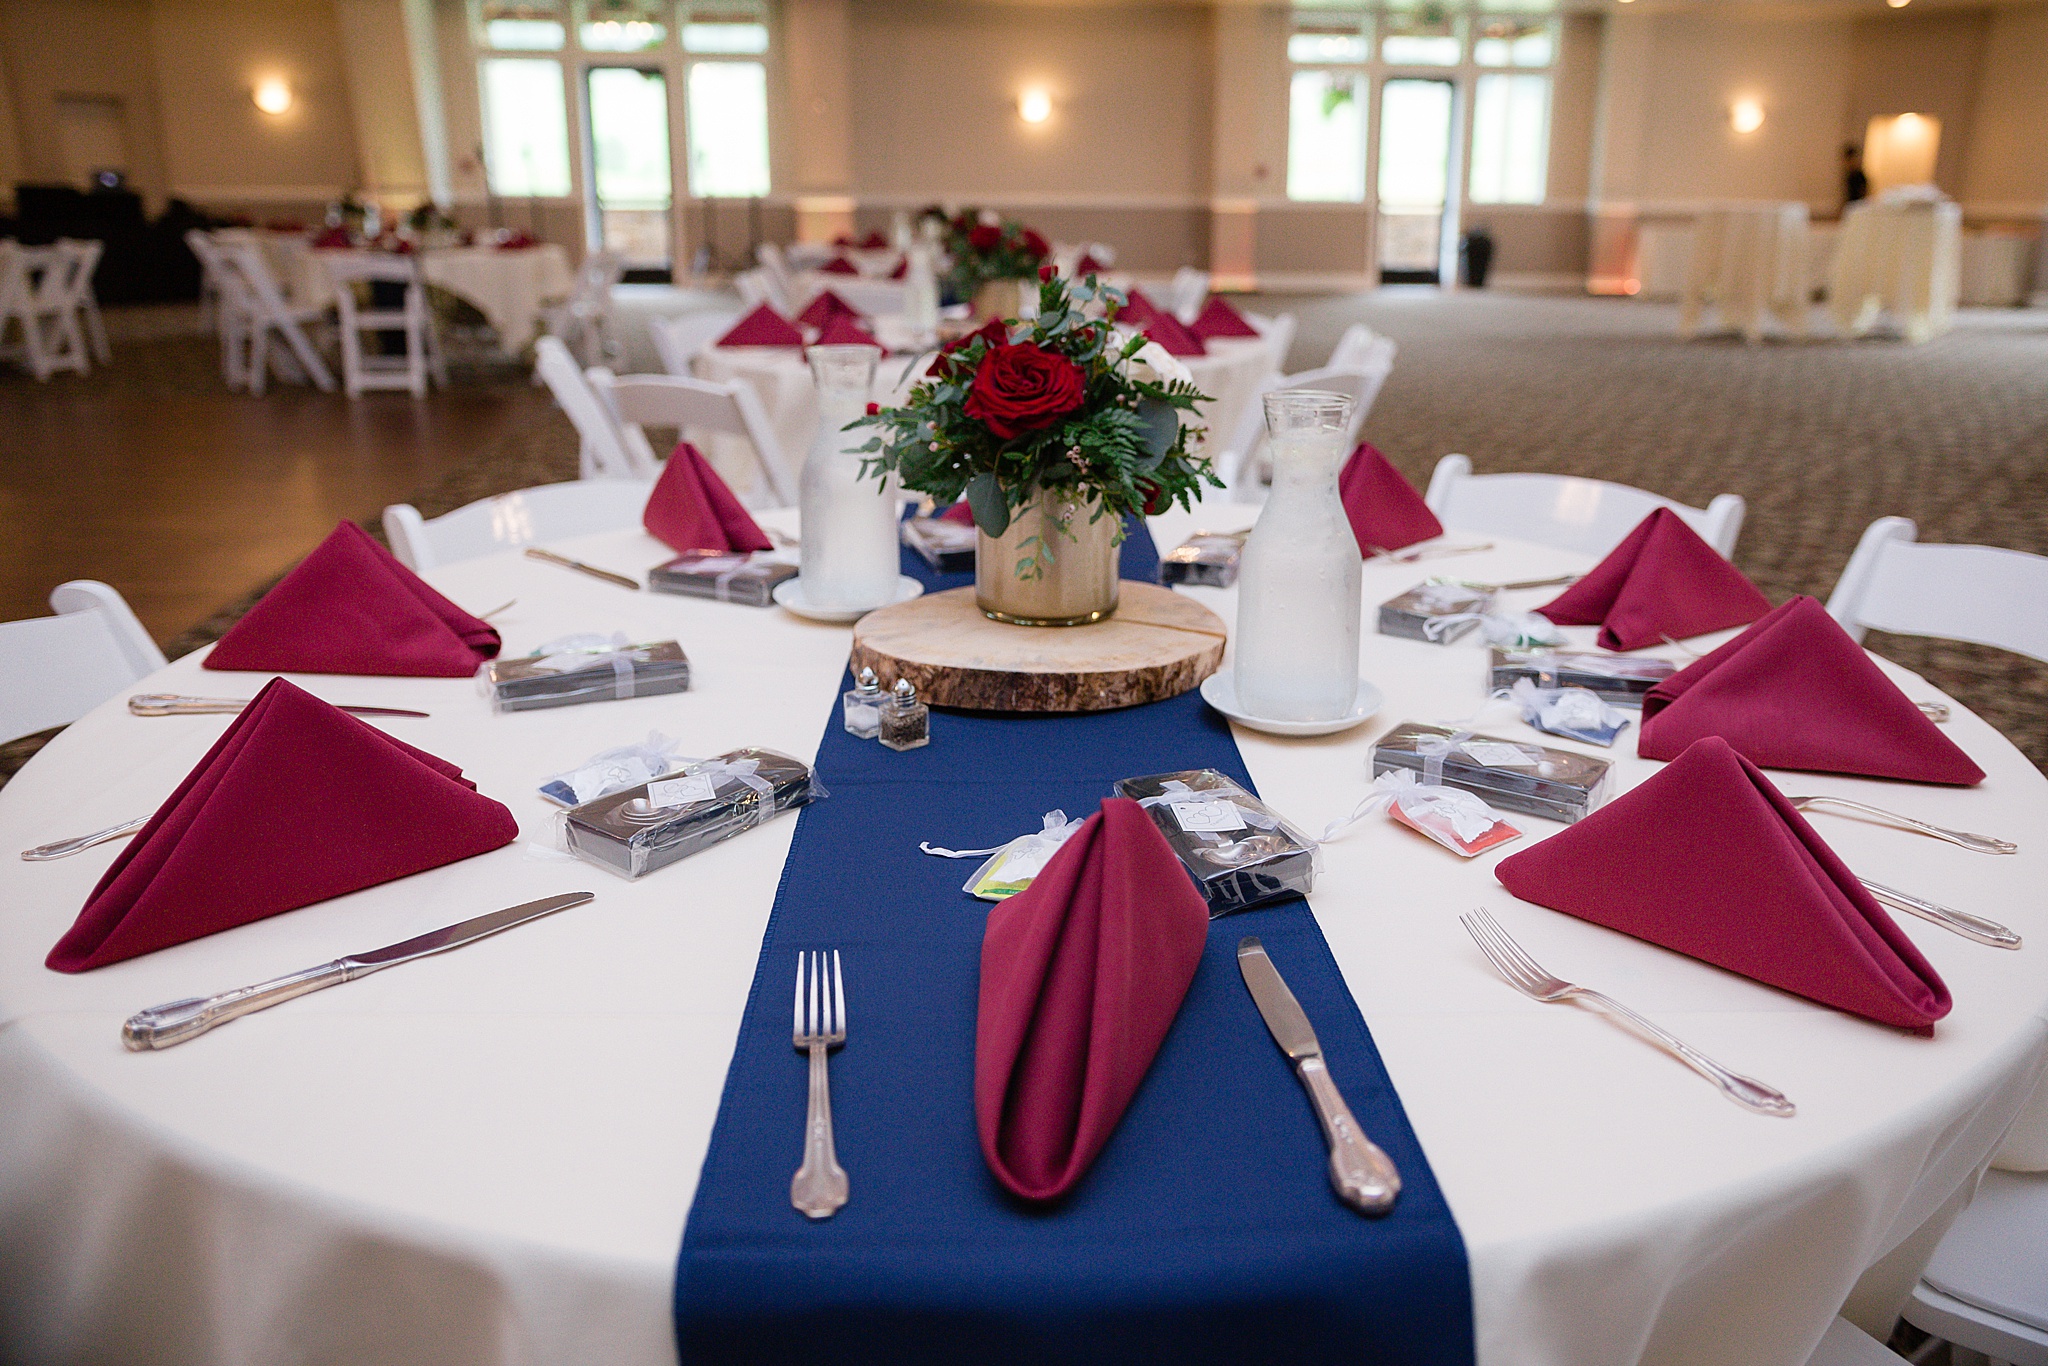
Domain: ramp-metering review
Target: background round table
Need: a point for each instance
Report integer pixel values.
(489, 1156)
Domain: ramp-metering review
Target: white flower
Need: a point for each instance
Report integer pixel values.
(1153, 364)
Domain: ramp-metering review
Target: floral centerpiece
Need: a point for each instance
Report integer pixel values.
(986, 250)
(1052, 430)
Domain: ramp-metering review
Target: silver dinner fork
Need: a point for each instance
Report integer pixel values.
(1981, 844)
(819, 1186)
(1526, 977)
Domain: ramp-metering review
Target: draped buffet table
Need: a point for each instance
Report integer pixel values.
(489, 1156)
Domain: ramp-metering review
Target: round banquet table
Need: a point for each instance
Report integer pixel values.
(488, 1156)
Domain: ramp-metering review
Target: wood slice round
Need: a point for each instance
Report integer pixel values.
(1158, 644)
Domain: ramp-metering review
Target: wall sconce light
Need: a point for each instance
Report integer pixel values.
(1898, 4)
(1034, 106)
(1746, 115)
(272, 95)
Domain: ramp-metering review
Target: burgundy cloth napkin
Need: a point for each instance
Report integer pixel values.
(1794, 691)
(691, 508)
(351, 608)
(1219, 319)
(1081, 975)
(298, 802)
(763, 327)
(1088, 266)
(839, 265)
(960, 512)
(874, 241)
(1662, 580)
(844, 330)
(1707, 858)
(824, 308)
(901, 268)
(1385, 510)
(1137, 310)
(1166, 329)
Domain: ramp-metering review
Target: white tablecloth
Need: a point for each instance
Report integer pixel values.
(1748, 261)
(488, 1156)
(508, 287)
(1230, 374)
(1897, 257)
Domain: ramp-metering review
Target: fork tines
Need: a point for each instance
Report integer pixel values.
(820, 999)
(1504, 953)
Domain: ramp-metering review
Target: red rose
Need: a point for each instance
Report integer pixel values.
(874, 409)
(1022, 388)
(985, 237)
(993, 332)
(1034, 245)
(1156, 500)
(1044, 273)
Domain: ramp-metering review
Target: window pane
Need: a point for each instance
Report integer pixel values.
(1510, 139)
(524, 35)
(728, 111)
(744, 39)
(1326, 137)
(1427, 37)
(526, 126)
(629, 136)
(1415, 143)
(623, 26)
(1328, 47)
(1513, 42)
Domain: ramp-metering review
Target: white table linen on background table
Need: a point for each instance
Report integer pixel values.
(1749, 263)
(489, 1156)
(1898, 256)
(509, 287)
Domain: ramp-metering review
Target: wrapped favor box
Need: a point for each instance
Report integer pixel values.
(721, 575)
(599, 673)
(1409, 615)
(1207, 558)
(1618, 680)
(1240, 852)
(660, 822)
(1508, 774)
(946, 546)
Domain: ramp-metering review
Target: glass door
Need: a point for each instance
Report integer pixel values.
(630, 182)
(1414, 177)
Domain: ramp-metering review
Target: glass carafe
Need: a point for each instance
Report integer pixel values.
(1298, 582)
(848, 558)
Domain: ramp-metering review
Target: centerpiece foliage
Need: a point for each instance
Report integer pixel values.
(984, 249)
(1064, 405)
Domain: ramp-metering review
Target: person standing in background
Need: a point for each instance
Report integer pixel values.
(1855, 184)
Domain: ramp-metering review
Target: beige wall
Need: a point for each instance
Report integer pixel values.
(2006, 163)
(1922, 63)
(97, 48)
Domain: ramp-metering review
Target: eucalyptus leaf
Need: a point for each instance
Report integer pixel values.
(985, 497)
(1160, 424)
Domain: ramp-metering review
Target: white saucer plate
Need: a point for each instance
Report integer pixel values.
(1219, 690)
(790, 594)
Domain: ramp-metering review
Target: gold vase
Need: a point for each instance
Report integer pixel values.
(1051, 567)
(996, 299)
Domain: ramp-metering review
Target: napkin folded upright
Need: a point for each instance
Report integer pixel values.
(1385, 510)
(874, 241)
(1795, 691)
(1219, 319)
(960, 512)
(1081, 976)
(839, 265)
(842, 329)
(1707, 858)
(298, 802)
(351, 608)
(1662, 580)
(1167, 330)
(1088, 266)
(691, 508)
(900, 269)
(1137, 310)
(824, 308)
(763, 327)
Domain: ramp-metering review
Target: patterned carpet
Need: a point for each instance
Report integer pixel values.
(1821, 438)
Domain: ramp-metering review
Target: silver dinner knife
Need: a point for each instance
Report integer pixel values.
(1363, 1176)
(176, 1021)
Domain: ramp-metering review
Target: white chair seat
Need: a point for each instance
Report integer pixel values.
(53, 670)
(1590, 516)
(546, 512)
(1986, 1287)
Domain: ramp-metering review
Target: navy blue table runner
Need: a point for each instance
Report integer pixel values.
(1205, 1232)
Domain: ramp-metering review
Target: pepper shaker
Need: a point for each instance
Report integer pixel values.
(906, 722)
(862, 706)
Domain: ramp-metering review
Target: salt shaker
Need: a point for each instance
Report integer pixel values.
(906, 722)
(862, 706)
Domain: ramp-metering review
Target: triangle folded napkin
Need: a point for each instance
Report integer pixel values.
(1385, 510)
(1219, 319)
(1137, 310)
(825, 307)
(1167, 330)
(845, 329)
(1081, 976)
(691, 508)
(763, 327)
(1088, 266)
(1662, 580)
(960, 512)
(298, 802)
(1707, 858)
(839, 265)
(350, 607)
(1794, 691)
(900, 269)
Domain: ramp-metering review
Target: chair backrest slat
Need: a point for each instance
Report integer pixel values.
(1976, 593)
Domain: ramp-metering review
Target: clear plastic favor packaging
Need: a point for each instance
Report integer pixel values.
(1208, 558)
(1009, 868)
(1436, 612)
(584, 669)
(1509, 776)
(721, 575)
(946, 546)
(1619, 680)
(1574, 713)
(657, 823)
(614, 770)
(1240, 852)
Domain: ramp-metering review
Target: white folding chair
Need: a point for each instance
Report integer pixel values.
(1279, 334)
(1591, 516)
(777, 265)
(698, 405)
(412, 319)
(269, 312)
(548, 512)
(1985, 1290)
(603, 454)
(1188, 292)
(641, 460)
(583, 321)
(1358, 345)
(83, 258)
(1977, 593)
(54, 670)
(35, 294)
(232, 307)
(678, 340)
(757, 287)
(1844, 1344)
(1242, 463)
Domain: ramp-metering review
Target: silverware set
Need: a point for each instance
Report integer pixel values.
(534, 552)
(1977, 927)
(819, 1186)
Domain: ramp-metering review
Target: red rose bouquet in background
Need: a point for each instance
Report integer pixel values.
(984, 248)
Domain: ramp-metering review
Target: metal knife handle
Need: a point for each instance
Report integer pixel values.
(174, 704)
(1364, 1177)
(1963, 923)
(43, 853)
(174, 1022)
